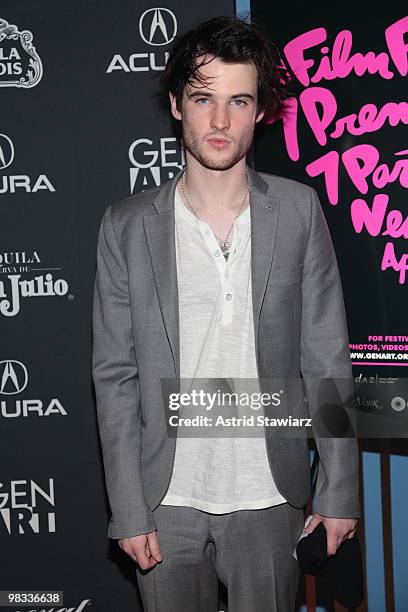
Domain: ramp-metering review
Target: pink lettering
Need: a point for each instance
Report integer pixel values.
(313, 61)
(320, 107)
(394, 35)
(341, 62)
(389, 260)
(309, 99)
(370, 120)
(373, 219)
(329, 166)
(396, 227)
(294, 53)
(360, 163)
(361, 215)
(358, 173)
(289, 118)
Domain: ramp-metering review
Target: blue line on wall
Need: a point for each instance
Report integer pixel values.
(373, 532)
(243, 7)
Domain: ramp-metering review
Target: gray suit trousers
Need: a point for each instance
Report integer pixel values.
(250, 551)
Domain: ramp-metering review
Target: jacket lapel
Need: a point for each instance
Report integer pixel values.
(264, 221)
(160, 236)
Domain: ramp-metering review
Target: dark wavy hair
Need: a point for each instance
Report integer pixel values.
(232, 40)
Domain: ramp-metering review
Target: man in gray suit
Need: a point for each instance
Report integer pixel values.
(220, 272)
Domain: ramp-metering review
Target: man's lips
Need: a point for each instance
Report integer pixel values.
(219, 143)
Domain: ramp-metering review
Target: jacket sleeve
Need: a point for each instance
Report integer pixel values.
(115, 376)
(325, 355)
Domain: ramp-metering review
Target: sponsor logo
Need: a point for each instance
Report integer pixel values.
(157, 28)
(20, 64)
(79, 608)
(18, 182)
(14, 287)
(398, 404)
(14, 377)
(13, 381)
(6, 151)
(154, 162)
(26, 507)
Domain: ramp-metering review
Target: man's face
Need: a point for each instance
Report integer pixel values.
(218, 121)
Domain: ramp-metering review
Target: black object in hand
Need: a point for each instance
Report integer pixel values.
(342, 572)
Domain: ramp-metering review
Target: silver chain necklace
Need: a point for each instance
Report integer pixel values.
(225, 244)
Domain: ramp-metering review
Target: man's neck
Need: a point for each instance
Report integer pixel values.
(214, 191)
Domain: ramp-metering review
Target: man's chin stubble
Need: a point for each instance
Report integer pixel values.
(216, 164)
(219, 165)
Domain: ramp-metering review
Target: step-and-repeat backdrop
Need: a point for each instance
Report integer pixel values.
(80, 128)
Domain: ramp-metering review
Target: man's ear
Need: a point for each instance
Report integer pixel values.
(259, 116)
(176, 114)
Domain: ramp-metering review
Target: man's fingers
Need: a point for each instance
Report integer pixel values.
(313, 524)
(154, 546)
(138, 550)
(143, 556)
(331, 544)
(334, 542)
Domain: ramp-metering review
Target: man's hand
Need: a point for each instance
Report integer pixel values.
(144, 549)
(337, 529)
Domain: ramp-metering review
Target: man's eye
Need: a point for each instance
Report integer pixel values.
(202, 100)
(242, 102)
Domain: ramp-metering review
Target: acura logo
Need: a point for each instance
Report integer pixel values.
(14, 377)
(6, 151)
(158, 26)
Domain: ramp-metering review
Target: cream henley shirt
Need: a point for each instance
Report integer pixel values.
(216, 474)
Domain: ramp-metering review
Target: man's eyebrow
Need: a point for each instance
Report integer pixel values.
(208, 94)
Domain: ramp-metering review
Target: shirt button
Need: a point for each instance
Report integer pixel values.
(216, 253)
(228, 296)
(207, 232)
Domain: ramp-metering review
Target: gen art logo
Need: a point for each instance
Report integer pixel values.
(154, 161)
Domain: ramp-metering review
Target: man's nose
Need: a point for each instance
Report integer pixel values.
(220, 118)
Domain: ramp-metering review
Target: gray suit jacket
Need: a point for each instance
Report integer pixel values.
(300, 330)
